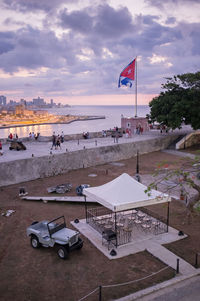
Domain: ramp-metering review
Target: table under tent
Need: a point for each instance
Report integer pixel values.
(123, 212)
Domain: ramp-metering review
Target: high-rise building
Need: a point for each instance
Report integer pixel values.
(2, 100)
(38, 101)
(23, 101)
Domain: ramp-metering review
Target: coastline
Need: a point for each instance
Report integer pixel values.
(54, 122)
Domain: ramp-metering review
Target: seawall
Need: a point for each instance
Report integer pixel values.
(23, 170)
(66, 137)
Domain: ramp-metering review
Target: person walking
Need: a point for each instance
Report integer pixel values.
(1, 153)
(117, 136)
(62, 137)
(53, 140)
(58, 140)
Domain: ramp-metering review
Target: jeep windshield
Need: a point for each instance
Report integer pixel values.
(56, 225)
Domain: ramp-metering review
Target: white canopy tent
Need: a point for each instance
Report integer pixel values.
(124, 193)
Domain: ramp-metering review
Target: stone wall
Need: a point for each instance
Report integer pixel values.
(39, 167)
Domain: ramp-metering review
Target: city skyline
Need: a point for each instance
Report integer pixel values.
(75, 52)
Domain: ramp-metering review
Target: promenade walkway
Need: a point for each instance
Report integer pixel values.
(40, 149)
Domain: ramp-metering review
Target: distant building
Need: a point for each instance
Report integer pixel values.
(52, 103)
(133, 123)
(41, 113)
(38, 102)
(13, 102)
(2, 100)
(23, 101)
(28, 112)
(19, 110)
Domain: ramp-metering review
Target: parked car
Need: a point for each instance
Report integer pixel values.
(79, 189)
(17, 145)
(62, 188)
(54, 234)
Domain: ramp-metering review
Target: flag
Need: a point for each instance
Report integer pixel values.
(128, 75)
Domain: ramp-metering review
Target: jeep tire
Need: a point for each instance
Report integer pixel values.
(35, 242)
(62, 252)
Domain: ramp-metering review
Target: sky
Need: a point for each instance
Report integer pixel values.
(73, 51)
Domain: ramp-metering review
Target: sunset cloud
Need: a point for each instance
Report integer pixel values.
(63, 49)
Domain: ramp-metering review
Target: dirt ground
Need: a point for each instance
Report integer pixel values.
(29, 275)
(195, 149)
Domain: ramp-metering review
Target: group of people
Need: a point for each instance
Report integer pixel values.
(86, 135)
(139, 129)
(57, 140)
(12, 136)
(163, 128)
(33, 136)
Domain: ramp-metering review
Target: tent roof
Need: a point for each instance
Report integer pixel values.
(124, 193)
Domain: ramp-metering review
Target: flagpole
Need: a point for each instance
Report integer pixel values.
(136, 86)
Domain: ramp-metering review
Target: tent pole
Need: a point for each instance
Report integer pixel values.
(86, 217)
(116, 229)
(167, 216)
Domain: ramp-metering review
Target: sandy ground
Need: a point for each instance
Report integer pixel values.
(29, 274)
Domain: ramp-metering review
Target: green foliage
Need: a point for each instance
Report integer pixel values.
(180, 102)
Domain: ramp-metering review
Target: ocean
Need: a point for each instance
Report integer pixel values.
(112, 118)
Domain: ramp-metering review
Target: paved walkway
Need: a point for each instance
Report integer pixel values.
(40, 149)
(170, 258)
(185, 290)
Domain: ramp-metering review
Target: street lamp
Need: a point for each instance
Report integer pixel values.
(137, 176)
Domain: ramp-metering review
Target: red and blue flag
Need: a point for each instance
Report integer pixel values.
(127, 75)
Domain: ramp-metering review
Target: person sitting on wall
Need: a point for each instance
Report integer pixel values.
(86, 135)
(103, 133)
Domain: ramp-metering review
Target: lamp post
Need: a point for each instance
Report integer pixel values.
(137, 176)
(137, 163)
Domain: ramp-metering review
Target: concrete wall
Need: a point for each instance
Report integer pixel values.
(39, 167)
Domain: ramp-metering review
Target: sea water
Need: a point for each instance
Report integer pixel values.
(112, 118)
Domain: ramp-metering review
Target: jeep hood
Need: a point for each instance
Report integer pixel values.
(64, 234)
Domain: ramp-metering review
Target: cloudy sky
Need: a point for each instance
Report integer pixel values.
(74, 50)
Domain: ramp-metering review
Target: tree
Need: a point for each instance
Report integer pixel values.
(179, 103)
